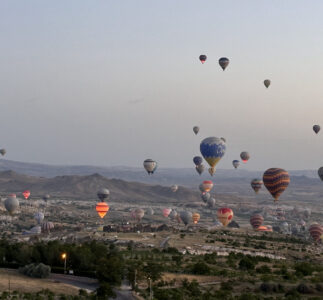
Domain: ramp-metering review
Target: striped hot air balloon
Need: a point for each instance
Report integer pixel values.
(316, 230)
(256, 184)
(207, 185)
(102, 208)
(256, 220)
(276, 181)
(196, 217)
(225, 215)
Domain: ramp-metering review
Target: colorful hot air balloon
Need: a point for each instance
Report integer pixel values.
(102, 208)
(3, 152)
(235, 163)
(276, 181)
(47, 226)
(316, 230)
(174, 188)
(203, 58)
(316, 128)
(200, 169)
(197, 160)
(185, 216)
(166, 212)
(256, 184)
(103, 194)
(223, 62)
(11, 204)
(196, 129)
(195, 218)
(212, 149)
(267, 83)
(205, 197)
(225, 215)
(256, 220)
(150, 166)
(244, 156)
(26, 194)
(207, 185)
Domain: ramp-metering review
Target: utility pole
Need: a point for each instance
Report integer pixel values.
(150, 290)
(135, 278)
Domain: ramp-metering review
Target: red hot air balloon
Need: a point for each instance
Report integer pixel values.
(26, 194)
(102, 208)
(276, 181)
(316, 230)
(225, 215)
(207, 185)
(166, 212)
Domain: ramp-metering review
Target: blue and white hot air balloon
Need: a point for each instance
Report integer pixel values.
(212, 149)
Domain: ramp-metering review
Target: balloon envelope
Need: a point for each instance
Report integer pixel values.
(212, 149)
(316, 128)
(223, 62)
(195, 218)
(235, 163)
(276, 181)
(26, 194)
(205, 196)
(225, 215)
(267, 83)
(320, 173)
(316, 230)
(203, 58)
(39, 217)
(200, 169)
(102, 208)
(244, 156)
(207, 185)
(185, 216)
(256, 184)
(150, 166)
(256, 220)
(196, 129)
(150, 211)
(3, 152)
(174, 188)
(166, 212)
(11, 204)
(197, 160)
(103, 194)
(211, 203)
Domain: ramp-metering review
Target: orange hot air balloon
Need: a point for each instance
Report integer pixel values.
(225, 215)
(102, 208)
(196, 217)
(26, 194)
(207, 185)
(264, 228)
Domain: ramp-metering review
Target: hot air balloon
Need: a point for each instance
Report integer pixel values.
(267, 83)
(316, 128)
(174, 188)
(47, 226)
(197, 160)
(205, 196)
(195, 218)
(150, 211)
(211, 203)
(316, 230)
(256, 184)
(185, 216)
(102, 208)
(46, 197)
(196, 129)
(166, 212)
(320, 172)
(276, 181)
(173, 214)
(103, 194)
(207, 185)
(225, 215)
(244, 156)
(138, 214)
(223, 62)
(26, 194)
(212, 149)
(39, 217)
(202, 58)
(256, 220)
(150, 166)
(264, 228)
(11, 204)
(3, 152)
(235, 163)
(200, 169)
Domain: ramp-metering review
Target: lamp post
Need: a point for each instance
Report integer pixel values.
(150, 291)
(64, 256)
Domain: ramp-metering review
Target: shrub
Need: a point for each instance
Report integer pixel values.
(200, 268)
(263, 269)
(35, 270)
(304, 289)
(304, 269)
(246, 263)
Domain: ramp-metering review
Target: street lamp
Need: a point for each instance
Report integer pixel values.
(64, 256)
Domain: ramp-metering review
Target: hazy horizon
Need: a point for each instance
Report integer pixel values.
(113, 83)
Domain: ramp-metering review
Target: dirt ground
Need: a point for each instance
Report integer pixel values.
(21, 283)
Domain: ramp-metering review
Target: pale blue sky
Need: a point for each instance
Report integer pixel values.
(115, 82)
